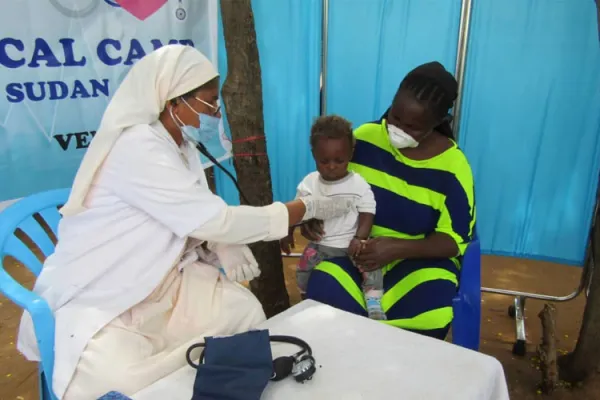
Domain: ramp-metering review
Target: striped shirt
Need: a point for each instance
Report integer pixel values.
(415, 198)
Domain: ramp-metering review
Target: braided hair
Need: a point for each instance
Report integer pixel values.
(433, 87)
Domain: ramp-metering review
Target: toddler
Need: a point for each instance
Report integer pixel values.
(332, 144)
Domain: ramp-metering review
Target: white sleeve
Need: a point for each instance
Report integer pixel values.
(244, 225)
(147, 173)
(305, 187)
(366, 204)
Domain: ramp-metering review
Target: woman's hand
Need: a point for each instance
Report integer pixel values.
(326, 207)
(287, 244)
(378, 252)
(312, 230)
(237, 261)
(355, 247)
(310, 207)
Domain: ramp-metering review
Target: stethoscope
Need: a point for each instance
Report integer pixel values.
(204, 151)
(180, 12)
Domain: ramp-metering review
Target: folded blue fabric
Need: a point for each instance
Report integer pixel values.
(236, 367)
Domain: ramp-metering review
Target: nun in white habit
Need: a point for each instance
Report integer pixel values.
(134, 280)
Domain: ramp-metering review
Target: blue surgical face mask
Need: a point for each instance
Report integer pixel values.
(208, 133)
(209, 125)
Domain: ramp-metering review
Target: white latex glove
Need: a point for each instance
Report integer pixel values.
(324, 208)
(237, 261)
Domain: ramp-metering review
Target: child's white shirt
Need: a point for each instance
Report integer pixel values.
(340, 231)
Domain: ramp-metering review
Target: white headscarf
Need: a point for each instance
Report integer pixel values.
(162, 75)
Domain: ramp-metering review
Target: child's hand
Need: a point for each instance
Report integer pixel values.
(356, 245)
(287, 244)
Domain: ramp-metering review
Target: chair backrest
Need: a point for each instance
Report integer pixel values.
(466, 326)
(21, 226)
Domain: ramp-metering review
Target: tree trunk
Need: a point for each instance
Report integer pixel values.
(547, 349)
(242, 97)
(585, 359)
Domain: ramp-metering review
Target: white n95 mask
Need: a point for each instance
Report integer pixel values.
(400, 139)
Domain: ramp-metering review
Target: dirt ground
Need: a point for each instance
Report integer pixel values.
(18, 378)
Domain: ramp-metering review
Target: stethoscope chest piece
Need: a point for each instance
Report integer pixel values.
(180, 12)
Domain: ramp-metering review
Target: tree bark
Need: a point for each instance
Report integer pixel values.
(242, 97)
(547, 349)
(585, 359)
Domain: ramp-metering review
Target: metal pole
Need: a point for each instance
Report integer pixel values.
(324, 50)
(461, 59)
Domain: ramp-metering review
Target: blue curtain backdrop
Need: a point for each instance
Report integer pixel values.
(531, 111)
(374, 43)
(530, 125)
(289, 44)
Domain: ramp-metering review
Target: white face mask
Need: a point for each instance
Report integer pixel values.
(401, 139)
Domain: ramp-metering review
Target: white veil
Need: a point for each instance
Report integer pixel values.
(162, 75)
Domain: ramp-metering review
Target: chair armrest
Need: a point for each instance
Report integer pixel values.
(41, 314)
(35, 305)
(12, 289)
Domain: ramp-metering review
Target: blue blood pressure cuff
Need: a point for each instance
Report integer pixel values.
(236, 367)
(239, 367)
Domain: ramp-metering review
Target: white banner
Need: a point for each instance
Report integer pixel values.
(61, 61)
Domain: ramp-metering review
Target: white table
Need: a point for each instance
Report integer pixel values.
(363, 359)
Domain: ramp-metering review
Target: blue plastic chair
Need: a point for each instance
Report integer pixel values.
(20, 216)
(467, 304)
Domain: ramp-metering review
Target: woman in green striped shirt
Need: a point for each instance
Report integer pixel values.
(425, 215)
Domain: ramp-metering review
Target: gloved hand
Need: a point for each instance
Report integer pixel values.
(237, 261)
(324, 208)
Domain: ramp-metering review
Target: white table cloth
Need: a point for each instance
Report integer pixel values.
(362, 359)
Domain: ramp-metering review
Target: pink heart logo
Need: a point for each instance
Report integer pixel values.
(141, 9)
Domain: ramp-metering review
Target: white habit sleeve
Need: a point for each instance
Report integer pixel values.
(146, 171)
(243, 225)
(149, 174)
